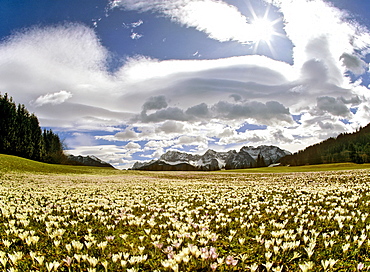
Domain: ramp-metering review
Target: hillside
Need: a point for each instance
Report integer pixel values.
(9, 163)
(347, 147)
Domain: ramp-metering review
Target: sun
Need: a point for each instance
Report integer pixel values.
(263, 29)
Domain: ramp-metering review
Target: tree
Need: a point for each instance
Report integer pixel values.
(260, 161)
(53, 147)
(23, 145)
(8, 121)
(38, 149)
(21, 135)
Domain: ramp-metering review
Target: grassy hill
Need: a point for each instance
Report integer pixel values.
(13, 164)
(10, 163)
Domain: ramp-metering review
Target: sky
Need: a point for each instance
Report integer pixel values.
(128, 80)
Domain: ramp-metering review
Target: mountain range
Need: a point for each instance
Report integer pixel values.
(247, 157)
(87, 161)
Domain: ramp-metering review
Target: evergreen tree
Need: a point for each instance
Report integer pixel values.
(53, 147)
(260, 161)
(38, 149)
(8, 124)
(21, 135)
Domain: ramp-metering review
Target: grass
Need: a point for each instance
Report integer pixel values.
(183, 221)
(305, 168)
(10, 163)
(76, 218)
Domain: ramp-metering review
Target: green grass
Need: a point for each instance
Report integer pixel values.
(305, 168)
(10, 163)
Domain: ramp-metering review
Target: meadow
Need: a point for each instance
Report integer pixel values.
(87, 219)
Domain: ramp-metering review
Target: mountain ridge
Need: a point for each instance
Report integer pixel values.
(89, 160)
(211, 160)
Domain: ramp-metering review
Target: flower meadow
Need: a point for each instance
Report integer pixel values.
(185, 222)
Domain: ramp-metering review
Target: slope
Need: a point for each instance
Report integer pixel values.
(9, 163)
(347, 147)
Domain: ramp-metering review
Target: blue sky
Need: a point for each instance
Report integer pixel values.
(126, 80)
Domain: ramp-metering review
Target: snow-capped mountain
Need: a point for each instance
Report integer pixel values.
(271, 154)
(88, 161)
(247, 157)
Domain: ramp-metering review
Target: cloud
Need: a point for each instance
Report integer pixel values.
(218, 19)
(171, 127)
(126, 135)
(269, 136)
(353, 63)
(170, 113)
(267, 113)
(137, 24)
(200, 110)
(54, 99)
(362, 115)
(315, 72)
(155, 103)
(133, 146)
(57, 66)
(318, 30)
(136, 36)
(333, 106)
(77, 116)
(80, 139)
(236, 97)
(201, 142)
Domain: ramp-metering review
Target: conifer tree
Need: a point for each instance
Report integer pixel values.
(260, 161)
(21, 135)
(8, 113)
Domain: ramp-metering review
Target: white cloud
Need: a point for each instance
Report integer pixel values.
(127, 134)
(218, 19)
(79, 139)
(362, 117)
(201, 142)
(137, 24)
(353, 63)
(320, 31)
(136, 36)
(133, 146)
(333, 106)
(172, 127)
(54, 99)
(271, 112)
(155, 103)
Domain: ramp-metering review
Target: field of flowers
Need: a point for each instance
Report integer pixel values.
(185, 222)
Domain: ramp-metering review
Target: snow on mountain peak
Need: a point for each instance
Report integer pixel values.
(247, 157)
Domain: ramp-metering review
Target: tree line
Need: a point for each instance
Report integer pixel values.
(347, 147)
(21, 134)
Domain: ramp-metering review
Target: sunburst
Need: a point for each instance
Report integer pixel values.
(263, 29)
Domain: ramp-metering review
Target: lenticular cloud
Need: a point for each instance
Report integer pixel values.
(54, 98)
(202, 15)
